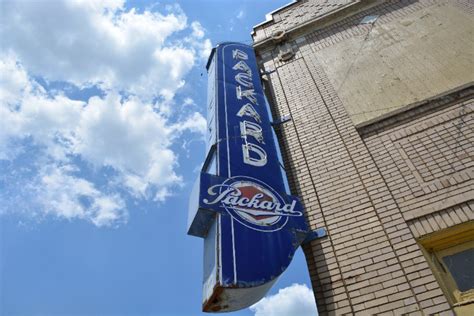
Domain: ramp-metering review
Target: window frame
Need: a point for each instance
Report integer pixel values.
(444, 243)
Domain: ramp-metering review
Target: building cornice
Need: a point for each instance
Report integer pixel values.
(316, 23)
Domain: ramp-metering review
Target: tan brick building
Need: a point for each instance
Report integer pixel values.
(379, 147)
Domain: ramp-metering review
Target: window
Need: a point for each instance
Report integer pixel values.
(457, 264)
(450, 254)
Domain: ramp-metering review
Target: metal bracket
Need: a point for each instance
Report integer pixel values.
(267, 72)
(369, 19)
(315, 234)
(284, 119)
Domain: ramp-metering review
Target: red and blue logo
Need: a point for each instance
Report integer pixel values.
(252, 203)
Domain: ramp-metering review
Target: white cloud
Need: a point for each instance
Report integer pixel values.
(206, 48)
(198, 41)
(98, 42)
(124, 134)
(26, 110)
(241, 14)
(138, 61)
(296, 299)
(69, 197)
(130, 137)
(195, 123)
(162, 194)
(198, 30)
(188, 102)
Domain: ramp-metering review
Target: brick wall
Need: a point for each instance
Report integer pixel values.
(293, 15)
(379, 68)
(446, 218)
(374, 188)
(426, 158)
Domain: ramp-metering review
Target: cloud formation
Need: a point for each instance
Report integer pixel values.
(99, 42)
(296, 299)
(69, 197)
(136, 62)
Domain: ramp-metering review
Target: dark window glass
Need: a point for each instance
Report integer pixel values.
(461, 267)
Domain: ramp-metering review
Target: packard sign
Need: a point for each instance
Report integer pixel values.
(250, 225)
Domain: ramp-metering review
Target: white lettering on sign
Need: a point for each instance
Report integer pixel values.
(249, 94)
(260, 160)
(249, 110)
(232, 196)
(241, 65)
(251, 129)
(244, 79)
(253, 154)
(238, 54)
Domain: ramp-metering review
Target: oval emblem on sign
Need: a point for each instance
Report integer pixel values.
(252, 203)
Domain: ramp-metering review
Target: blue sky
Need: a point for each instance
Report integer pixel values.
(101, 137)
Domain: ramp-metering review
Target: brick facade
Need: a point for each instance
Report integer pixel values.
(378, 186)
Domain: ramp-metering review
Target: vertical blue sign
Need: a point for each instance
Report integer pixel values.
(250, 225)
